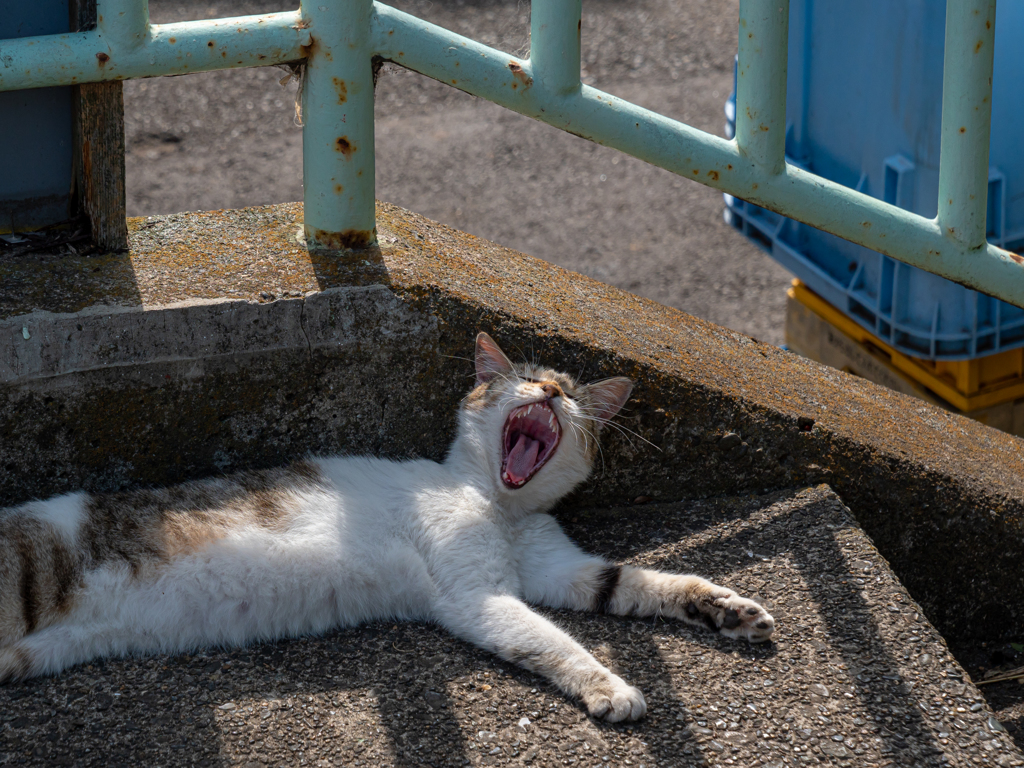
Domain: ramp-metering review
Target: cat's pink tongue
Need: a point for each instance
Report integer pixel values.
(522, 458)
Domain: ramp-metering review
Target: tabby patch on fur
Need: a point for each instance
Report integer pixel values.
(334, 541)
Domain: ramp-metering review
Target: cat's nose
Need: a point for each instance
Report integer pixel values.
(551, 389)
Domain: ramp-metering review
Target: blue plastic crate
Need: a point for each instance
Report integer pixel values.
(35, 130)
(864, 104)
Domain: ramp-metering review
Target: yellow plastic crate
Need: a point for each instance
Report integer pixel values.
(966, 385)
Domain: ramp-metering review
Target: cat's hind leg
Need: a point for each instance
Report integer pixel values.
(15, 664)
(508, 627)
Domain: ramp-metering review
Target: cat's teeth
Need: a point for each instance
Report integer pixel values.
(551, 422)
(528, 410)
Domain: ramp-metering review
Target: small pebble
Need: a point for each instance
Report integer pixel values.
(729, 441)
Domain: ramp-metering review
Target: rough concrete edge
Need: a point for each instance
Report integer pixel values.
(62, 343)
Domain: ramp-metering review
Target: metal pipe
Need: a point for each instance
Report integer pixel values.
(125, 23)
(339, 38)
(169, 49)
(761, 82)
(966, 119)
(605, 119)
(555, 30)
(337, 129)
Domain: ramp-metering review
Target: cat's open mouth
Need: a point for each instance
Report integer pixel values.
(531, 436)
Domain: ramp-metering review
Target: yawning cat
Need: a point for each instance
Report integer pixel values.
(331, 542)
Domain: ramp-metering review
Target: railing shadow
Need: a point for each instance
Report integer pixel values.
(363, 266)
(276, 703)
(855, 658)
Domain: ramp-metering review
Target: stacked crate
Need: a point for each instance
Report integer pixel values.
(864, 98)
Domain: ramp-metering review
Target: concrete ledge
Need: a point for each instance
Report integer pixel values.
(219, 341)
(856, 676)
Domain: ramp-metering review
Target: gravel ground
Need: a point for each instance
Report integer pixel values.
(227, 140)
(855, 677)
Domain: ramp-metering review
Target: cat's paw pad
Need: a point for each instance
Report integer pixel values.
(615, 700)
(739, 617)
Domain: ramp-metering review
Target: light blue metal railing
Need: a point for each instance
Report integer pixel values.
(338, 39)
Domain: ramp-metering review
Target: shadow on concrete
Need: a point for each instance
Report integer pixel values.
(854, 641)
(59, 281)
(1013, 720)
(362, 266)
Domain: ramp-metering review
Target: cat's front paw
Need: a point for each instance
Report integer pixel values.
(737, 617)
(615, 700)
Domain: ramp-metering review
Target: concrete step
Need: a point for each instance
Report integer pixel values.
(856, 675)
(219, 342)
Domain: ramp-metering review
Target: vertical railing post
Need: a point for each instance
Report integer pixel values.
(555, 29)
(125, 22)
(337, 132)
(966, 119)
(761, 82)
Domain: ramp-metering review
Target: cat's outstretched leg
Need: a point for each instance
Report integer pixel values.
(642, 592)
(507, 626)
(556, 573)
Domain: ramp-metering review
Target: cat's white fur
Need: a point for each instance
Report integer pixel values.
(372, 539)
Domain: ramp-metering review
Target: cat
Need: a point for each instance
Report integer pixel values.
(334, 541)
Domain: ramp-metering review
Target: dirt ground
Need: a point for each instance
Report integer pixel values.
(227, 139)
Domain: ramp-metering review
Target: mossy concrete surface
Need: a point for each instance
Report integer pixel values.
(220, 342)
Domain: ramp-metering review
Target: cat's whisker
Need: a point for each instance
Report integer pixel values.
(460, 357)
(625, 431)
(600, 453)
(578, 430)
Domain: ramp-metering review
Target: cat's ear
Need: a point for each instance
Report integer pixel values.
(608, 397)
(490, 360)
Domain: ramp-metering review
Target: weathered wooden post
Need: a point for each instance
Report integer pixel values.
(98, 141)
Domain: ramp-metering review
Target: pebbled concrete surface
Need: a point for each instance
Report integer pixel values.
(713, 411)
(856, 675)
